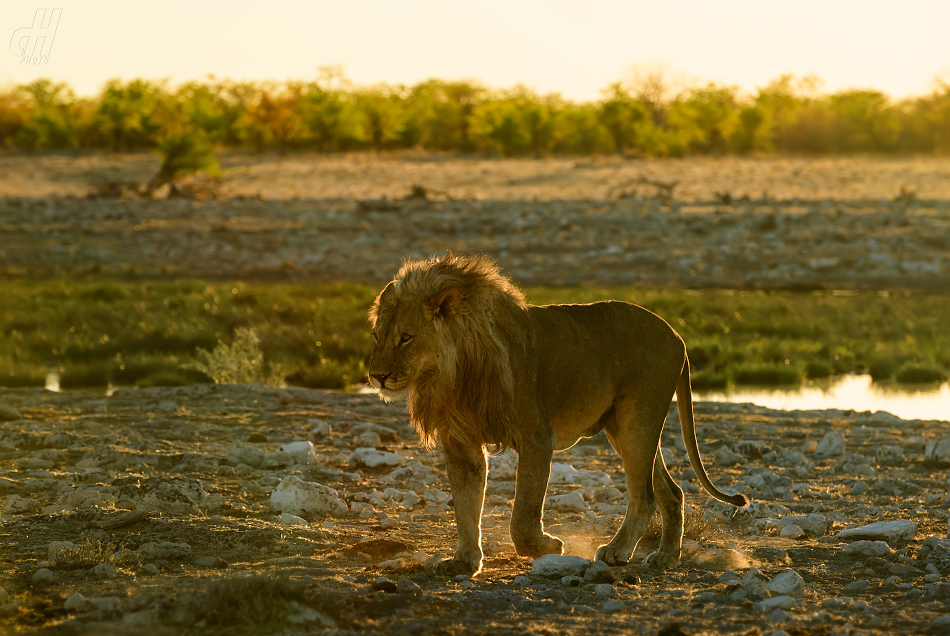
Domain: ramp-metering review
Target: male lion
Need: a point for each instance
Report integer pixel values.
(479, 366)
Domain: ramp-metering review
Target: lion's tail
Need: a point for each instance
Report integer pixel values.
(684, 403)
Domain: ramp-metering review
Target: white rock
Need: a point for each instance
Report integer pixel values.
(18, 505)
(814, 525)
(787, 583)
(298, 497)
(564, 474)
(791, 531)
(43, 575)
(76, 603)
(436, 496)
(318, 428)
(104, 571)
(938, 451)
(503, 467)
(165, 551)
(900, 531)
(613, 605)
(287, 519)
(776, 602)
(725, 456)
(301, 614)
(754, 580)
(889, 455)
(372, 458)
(301, 452)
(571, 502)
(831, 445)
(556, 565)
(868, 548)
(369, 439)
(603, 589)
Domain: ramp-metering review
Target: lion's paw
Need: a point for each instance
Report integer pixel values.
(611, 555)
(454, 567)
(539, 547)
(662, 560)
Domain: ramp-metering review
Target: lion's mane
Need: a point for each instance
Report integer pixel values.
(469, 395)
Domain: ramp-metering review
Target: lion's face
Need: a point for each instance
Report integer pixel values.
(409, 337)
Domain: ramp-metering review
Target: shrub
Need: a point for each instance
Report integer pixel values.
(705, 380)
(768, 374)
(919, 374)
(883, 368)
(241, 362)
(818, 369)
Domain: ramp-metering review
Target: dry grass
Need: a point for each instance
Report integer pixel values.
(88, 553)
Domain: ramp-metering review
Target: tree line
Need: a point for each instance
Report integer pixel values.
(645, 117)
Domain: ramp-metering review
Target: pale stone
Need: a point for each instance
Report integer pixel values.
(301, 452)
(571, 502)
(900, 531)
(557, 565)
(787, 583)
(299, 497)
(831, 445)
(76, 603)
(372, 458)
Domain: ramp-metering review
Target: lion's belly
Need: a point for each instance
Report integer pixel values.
(585, 420)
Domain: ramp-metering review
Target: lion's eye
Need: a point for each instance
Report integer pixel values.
(404, 338)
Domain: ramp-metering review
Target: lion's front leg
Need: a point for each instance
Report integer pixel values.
(534, 470)
(468, 472)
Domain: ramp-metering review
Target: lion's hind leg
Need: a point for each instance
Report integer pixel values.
(669, 496)
(635, 436)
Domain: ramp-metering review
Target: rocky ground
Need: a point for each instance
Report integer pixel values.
(210, 509)
(733, 223)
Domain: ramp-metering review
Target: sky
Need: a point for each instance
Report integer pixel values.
(575, 48)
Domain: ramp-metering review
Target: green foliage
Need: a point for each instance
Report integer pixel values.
(184, 154)
(329, 113)
(241, 362)
(920, 374)
(152, 332)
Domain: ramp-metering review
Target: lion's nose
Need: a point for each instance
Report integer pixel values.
(380, 377)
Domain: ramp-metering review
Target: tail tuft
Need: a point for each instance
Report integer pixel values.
(739, 500)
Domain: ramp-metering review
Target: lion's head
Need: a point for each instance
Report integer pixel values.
(438, 340)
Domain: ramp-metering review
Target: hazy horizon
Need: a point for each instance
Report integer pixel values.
(548, 46)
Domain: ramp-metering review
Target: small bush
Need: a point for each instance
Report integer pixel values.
(883, 368)
(88, 553)
(818, 369)
(768, 374)
(705, 380)
(241, 362)
(918, 374)
(16, 375)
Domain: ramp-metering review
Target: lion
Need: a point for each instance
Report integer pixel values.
(480, 367)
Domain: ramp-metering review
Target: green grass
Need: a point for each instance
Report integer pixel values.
(147, 333)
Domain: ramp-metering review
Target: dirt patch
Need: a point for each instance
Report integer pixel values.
(143, 505)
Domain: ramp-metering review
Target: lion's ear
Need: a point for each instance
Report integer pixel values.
(445, 303)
